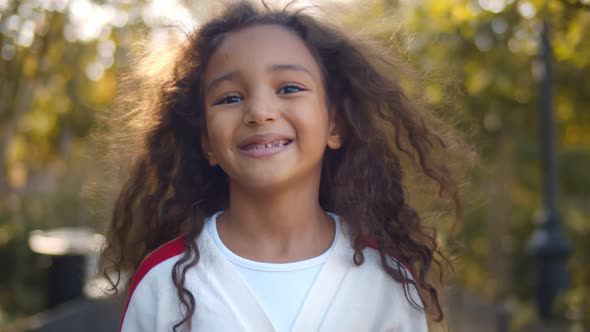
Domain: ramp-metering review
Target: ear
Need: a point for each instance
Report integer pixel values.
(206, 149)
(335, 136)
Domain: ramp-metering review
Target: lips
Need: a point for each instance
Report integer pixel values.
(264, 145)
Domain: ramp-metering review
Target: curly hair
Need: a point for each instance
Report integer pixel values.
(170, 188)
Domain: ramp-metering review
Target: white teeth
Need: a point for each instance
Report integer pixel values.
(278, 143)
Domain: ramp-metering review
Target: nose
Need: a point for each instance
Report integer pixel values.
(260, 109)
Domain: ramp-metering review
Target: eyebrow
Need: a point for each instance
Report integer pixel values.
(287, 67)
(236, 73)
(225, 77)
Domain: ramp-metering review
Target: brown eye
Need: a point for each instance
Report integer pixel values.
(291, 88)
(229, 100)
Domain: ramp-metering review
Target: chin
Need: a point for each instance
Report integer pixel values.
(266, 183)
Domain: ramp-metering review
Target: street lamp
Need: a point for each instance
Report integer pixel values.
(548, 243)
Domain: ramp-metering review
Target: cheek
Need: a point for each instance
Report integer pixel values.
(313, 129)
(217, 132)
(316, 118)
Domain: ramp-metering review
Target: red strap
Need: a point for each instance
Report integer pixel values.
(167, 250)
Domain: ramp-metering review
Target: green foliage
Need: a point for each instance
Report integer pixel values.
(480, 65)
(492, 54)
(59, 70)
(56, 74)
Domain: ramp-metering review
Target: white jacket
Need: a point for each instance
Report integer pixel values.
(343, 298)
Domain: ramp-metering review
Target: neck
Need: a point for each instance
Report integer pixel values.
(277, 226)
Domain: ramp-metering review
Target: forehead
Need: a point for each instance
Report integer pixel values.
(258, 47)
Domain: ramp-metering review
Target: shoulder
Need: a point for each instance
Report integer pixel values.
(386, 304)
(374, 265)
(156, 258)
(393, 259)
(153, 275)
(400, 301)
(393, 254)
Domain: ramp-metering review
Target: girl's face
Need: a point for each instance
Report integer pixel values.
(267, 119)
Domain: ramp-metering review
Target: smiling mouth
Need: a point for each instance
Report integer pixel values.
(273, 144)
(264, 149)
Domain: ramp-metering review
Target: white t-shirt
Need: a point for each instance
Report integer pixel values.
(281, 288)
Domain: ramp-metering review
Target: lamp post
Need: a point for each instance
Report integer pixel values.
(548, 243)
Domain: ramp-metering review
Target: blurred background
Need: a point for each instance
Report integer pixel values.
(518, 91)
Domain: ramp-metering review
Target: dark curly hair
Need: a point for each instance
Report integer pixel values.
(170, 188)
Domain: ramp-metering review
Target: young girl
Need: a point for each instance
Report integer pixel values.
(267, 195)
